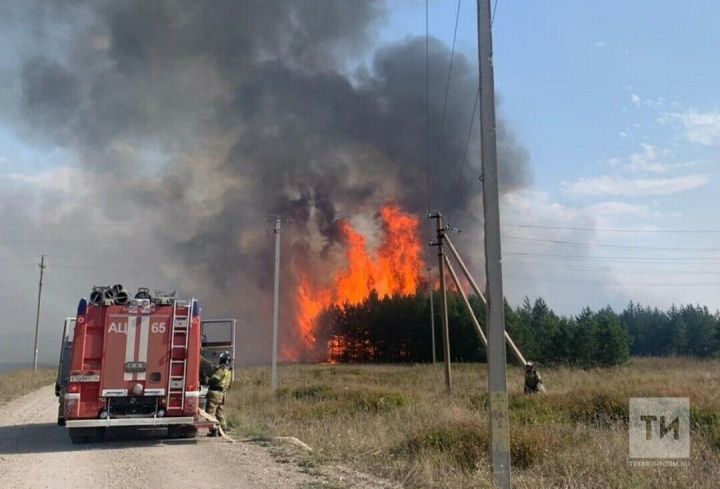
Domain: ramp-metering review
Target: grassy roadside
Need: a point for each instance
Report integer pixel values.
(16, 383)
(396, 422)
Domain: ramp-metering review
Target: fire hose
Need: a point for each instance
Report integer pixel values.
(282, 439)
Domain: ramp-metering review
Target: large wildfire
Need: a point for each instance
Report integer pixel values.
(394, 268)
(217, 118)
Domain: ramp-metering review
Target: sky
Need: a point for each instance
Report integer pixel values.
(614, 102)
(618, 106)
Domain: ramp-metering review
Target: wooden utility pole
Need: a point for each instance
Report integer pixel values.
(443, 298)
(497, 367)
(276, 305)
(37, 314)
(432, 316)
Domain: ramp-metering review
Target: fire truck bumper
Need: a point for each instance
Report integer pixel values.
(100, 423)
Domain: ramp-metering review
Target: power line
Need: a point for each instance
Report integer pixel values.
(92, 267)
(606, 245)
(124, 241)
(450, 67)
(492, 17)
(597, 282)
(85, 225)
(615, 230)
(447, 84)
(17, 258)
(616, 258)
(16, 267)
(461, 165)
(427, 107)
(609, 269)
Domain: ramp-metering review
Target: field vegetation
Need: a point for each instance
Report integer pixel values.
(16, 383)
(397, 422)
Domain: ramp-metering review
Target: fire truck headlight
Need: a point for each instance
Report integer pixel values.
(161, 413)
(103, 414)
(137, 389)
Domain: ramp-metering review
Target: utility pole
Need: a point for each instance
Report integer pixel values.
(432, 315)
(37, 315)
(276, 305)
(497, 367)
(443, 298)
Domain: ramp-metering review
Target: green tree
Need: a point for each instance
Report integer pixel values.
(611, 343)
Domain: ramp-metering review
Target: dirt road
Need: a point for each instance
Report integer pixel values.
(36, 453)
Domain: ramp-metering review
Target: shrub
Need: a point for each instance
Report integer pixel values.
(464, 444)
(595, 408)
(467, 444)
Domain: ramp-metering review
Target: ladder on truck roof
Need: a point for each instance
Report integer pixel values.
(180, 331)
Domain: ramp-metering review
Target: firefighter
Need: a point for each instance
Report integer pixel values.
(217, 385)
(533, 382)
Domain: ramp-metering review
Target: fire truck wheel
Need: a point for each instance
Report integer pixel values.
(182, 431)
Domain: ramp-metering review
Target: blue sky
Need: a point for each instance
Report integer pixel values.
(617, 104)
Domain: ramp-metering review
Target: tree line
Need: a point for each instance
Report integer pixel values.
(397, 329)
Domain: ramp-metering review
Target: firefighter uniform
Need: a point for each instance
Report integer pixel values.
(533, 382)
(218, 384)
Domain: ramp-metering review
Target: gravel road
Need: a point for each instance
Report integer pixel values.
(36, 453)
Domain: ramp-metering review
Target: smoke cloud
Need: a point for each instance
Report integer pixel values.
(209, 118)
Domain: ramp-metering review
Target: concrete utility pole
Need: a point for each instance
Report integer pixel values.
(432, 315)
(495, 311)
(37, 315)
(276, 305)
(443, 298)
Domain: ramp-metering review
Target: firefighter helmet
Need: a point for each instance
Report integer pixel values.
(225, 358)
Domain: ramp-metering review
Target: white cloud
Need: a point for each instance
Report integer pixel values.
(531, 206)
(617, 208)
(557, 251)
(63, 179)
(605, 211)
(646, 160)
(652, 103)
(655, 103)
(613, 185)
(700, 127)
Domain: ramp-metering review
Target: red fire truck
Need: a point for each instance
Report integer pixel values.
(136, 363)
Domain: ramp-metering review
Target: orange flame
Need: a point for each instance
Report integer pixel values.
(394, 269)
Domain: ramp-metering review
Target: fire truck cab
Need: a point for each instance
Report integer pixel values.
(135, 363)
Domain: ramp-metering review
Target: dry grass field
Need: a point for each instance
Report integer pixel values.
(397, 422)
(16, 383)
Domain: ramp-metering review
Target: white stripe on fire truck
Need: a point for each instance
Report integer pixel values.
(130, 344)
(143, 351)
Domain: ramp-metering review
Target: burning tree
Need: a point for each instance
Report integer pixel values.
(393, 269)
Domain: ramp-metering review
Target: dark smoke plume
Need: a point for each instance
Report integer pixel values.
(212, 116)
